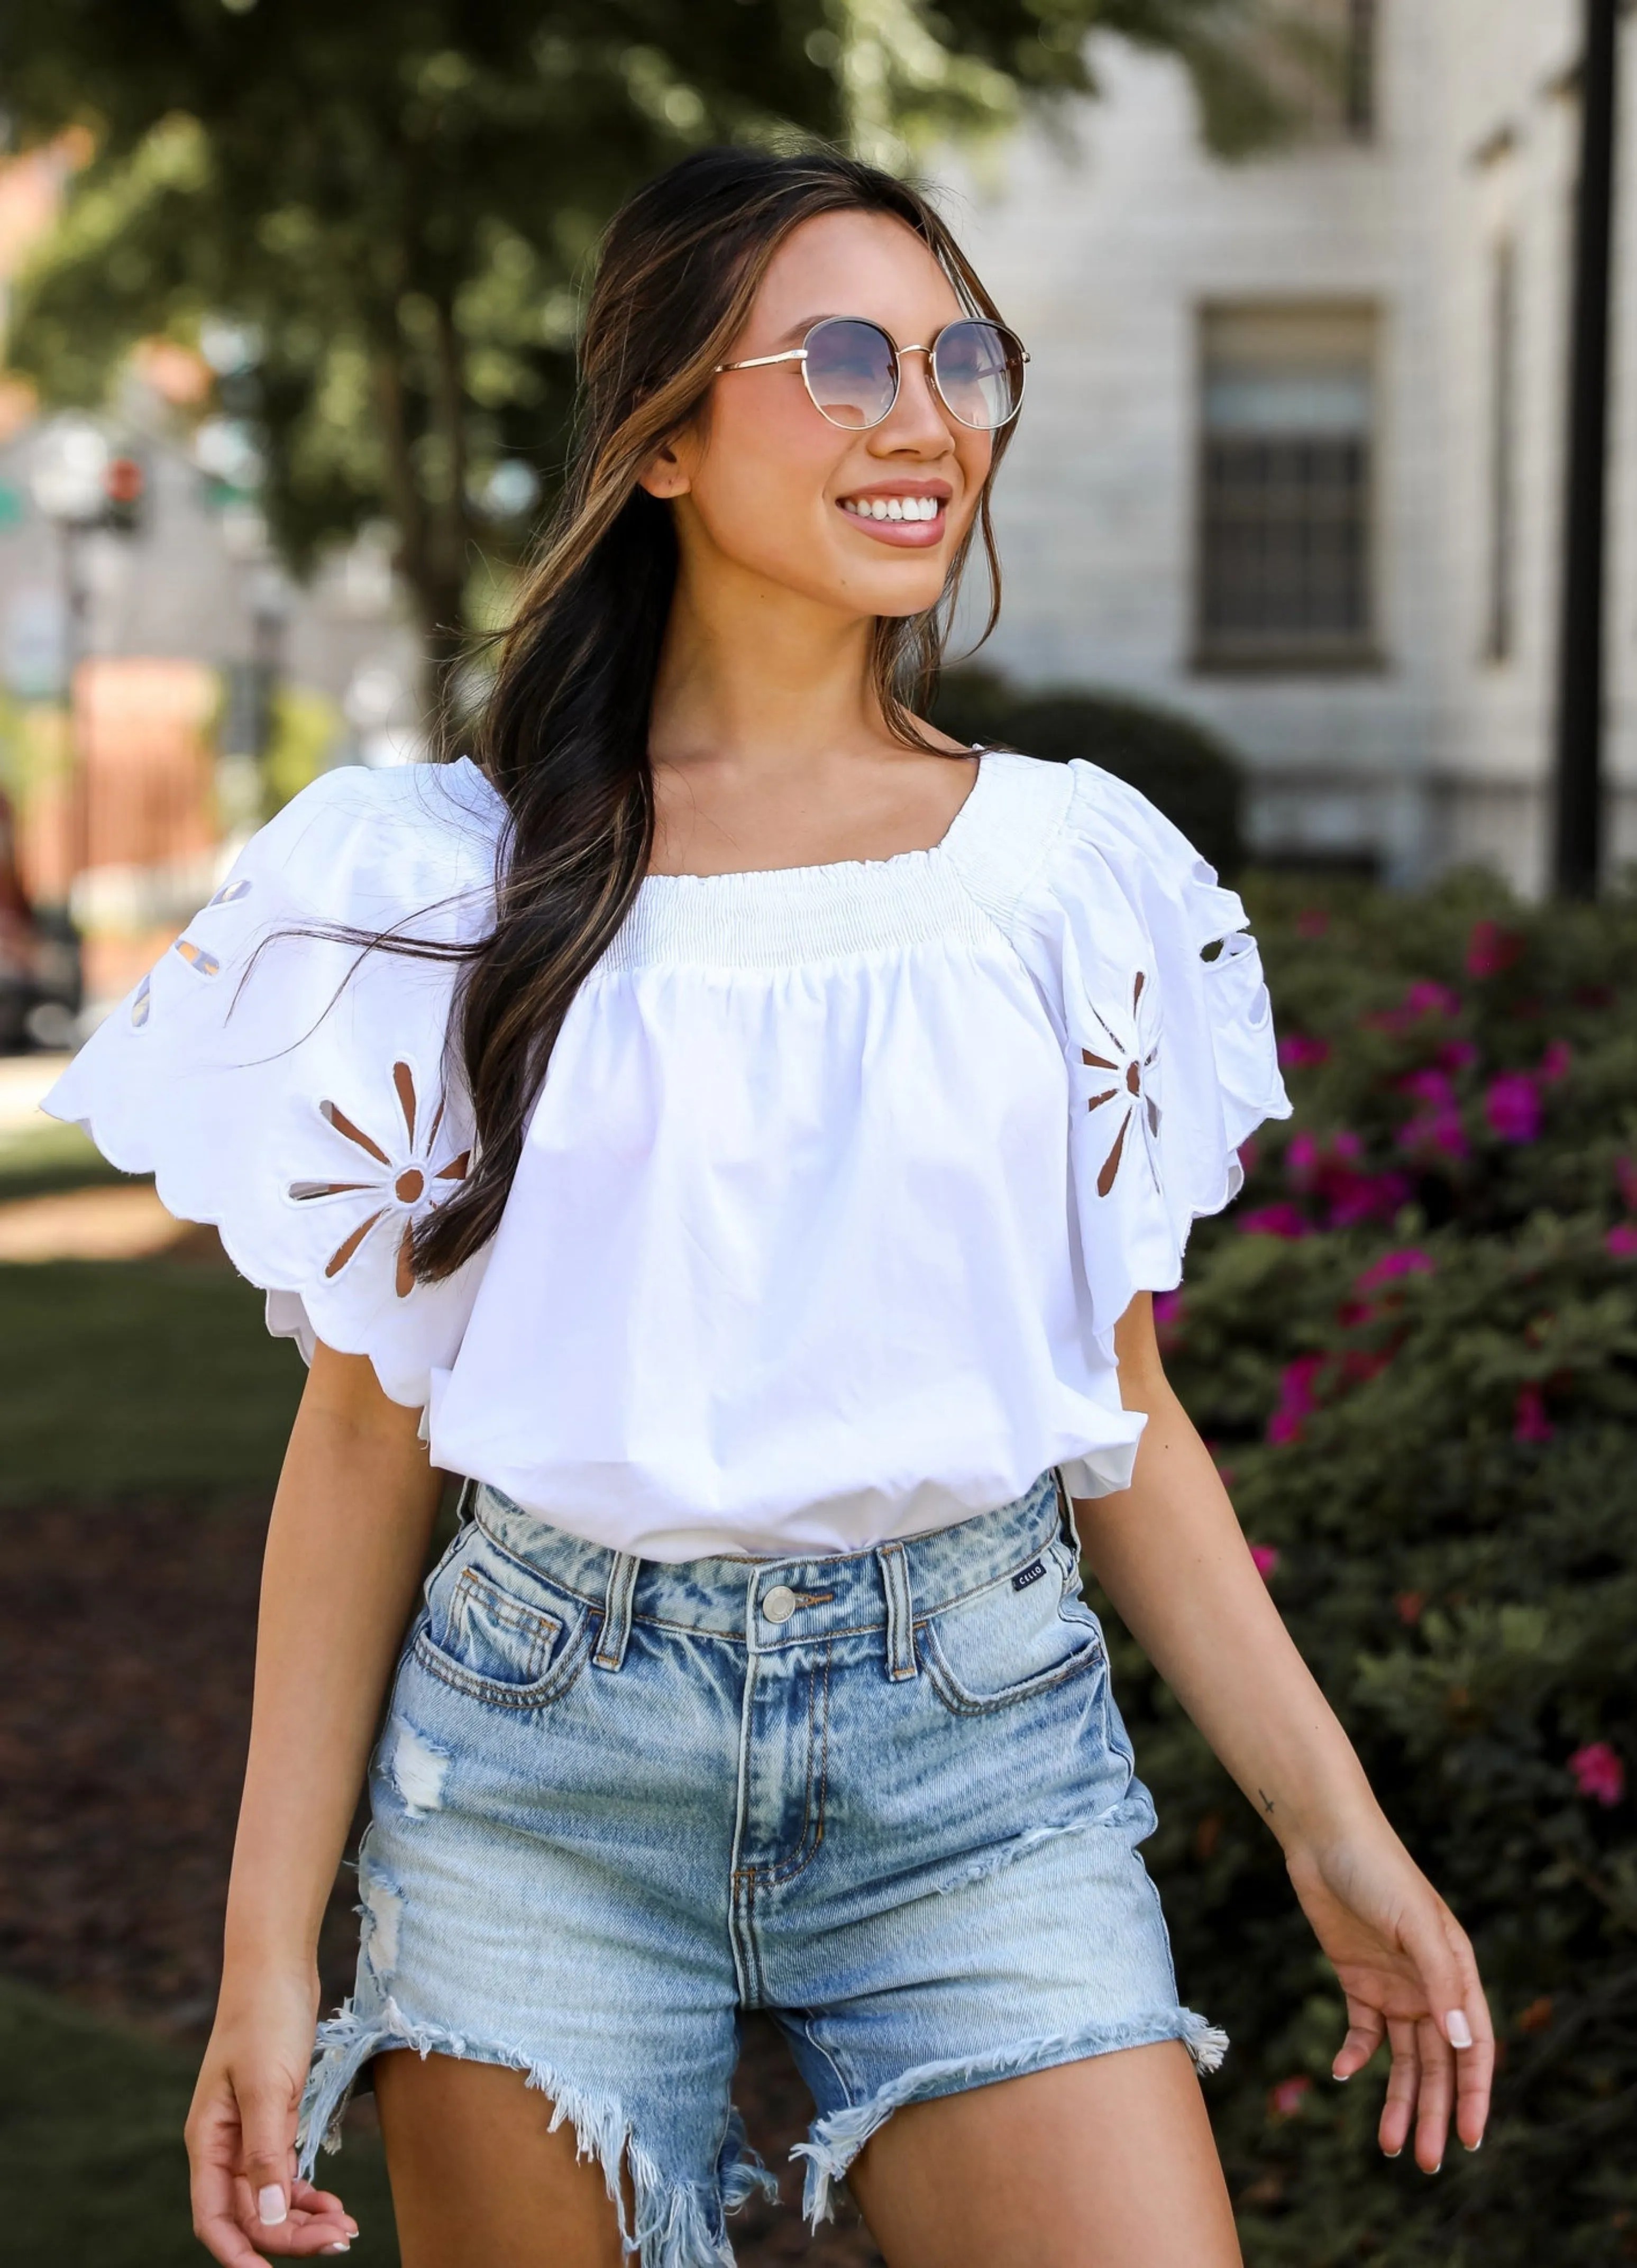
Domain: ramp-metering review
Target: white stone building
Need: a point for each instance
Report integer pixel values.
(1292, 457)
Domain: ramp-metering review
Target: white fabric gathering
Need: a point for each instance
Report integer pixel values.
(837, 1183)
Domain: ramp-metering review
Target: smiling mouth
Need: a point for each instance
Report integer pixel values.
(893, 507)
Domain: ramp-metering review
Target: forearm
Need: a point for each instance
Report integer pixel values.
(344, 1552)
(1169, 1552)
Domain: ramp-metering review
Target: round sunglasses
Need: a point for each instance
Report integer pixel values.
(852, 369)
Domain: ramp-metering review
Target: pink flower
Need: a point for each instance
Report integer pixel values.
(1266, 1558)
(1410, 1262)
(1620, 1243)
(1599, 1773)
(1312, 922)
(1512, 1106)
(1440, 1128)
(1369, 1196)
(1287, 1221)
(1529, 1421)
(1168, 1317)
(1626, 1174)
(1297, 1397)
(1554, 1064)
(1287, 2099)
(1430, 1086)
(1457, 1055)
(1491, 950)
(1298, 1052)
(1426, 997)
(1411, 1605)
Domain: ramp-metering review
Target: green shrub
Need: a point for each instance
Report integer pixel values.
(1177, 764)
(1412, 1347)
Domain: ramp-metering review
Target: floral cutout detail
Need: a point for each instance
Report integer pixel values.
(141, 1004)
(403, 1186)
(1125, 1092)
(202, 963)
(230, 893)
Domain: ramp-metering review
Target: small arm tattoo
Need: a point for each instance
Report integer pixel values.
(1267, 1800)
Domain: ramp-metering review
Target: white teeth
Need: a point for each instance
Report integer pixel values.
(891, 507)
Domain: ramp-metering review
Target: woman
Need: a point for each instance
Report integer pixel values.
(770, 1246)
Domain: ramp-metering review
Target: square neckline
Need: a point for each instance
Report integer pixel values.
(748, 877)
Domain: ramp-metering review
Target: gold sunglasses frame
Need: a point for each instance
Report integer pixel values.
(800, 355)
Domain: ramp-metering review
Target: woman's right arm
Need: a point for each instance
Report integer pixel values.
(345, 1551)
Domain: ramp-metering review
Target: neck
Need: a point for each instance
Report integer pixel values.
(755, 676)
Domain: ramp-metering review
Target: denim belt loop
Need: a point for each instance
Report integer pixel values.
(894, 1567)
(1065, 1512)
(465, 1498)
(616, 1607)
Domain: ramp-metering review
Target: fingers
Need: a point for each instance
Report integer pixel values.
(213, 2149)
(1365, 2031)
(1464, 2048)
(314, 2222)
(1436, 2096)
(268, 2125)
(1403, 2084)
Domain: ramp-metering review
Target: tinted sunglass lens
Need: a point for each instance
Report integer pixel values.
(852, 372)
(979, 369)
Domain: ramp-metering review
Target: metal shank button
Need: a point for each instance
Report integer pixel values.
(781, 1603)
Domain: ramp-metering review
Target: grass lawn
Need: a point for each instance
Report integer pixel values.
(92, 2163)
(118, 1377)
(121, 1376)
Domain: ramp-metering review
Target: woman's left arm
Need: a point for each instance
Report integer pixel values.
(1170, 1555)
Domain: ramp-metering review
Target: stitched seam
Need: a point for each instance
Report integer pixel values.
(495, 1691)
(735, 1637)
(963, 1703)
(787, 1869)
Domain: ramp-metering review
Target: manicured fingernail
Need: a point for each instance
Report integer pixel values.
(1459, 2031)
(1477, 2144)
(1438, 2168)
(1398, 2153)
(347, 2247)
(270, 2207)
(1342, 2076)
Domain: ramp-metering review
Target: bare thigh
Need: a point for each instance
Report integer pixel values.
(477, 2180)
(1106, 2163)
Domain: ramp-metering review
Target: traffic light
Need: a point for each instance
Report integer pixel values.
(125, 486)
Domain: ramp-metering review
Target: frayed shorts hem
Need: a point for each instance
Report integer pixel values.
(675, 2223)
(837, 2141)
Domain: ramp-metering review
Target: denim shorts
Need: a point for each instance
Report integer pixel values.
(887, 1797)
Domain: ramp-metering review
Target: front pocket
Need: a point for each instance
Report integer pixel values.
(485, 1640)
(1017, 1637)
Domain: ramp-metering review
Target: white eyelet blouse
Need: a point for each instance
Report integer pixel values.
(839, 1181)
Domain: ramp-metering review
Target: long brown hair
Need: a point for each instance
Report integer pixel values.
(564, 733)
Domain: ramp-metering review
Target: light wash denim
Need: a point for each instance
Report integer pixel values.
(887, 1797)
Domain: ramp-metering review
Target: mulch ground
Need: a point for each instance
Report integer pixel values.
(126, 1641)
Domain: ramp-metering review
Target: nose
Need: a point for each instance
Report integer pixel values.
(917, 419)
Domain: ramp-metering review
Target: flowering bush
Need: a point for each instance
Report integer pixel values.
(1414, 1349)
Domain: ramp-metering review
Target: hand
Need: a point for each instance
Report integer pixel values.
(248, 2204)
(1405, 1965)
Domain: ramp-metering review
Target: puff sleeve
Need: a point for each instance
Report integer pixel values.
(292, 1090)
(1156, 983)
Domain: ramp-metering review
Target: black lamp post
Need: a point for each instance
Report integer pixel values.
(1576, 850)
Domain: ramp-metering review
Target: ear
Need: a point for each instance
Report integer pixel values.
(663, 475)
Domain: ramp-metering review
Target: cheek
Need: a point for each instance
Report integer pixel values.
(761, 484)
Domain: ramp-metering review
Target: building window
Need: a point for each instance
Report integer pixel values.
(1499, 610)
(1286, 471)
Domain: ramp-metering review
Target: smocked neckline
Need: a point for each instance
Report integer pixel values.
(749, 882)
